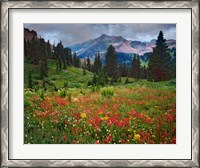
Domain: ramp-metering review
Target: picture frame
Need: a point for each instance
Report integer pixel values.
(6, 144)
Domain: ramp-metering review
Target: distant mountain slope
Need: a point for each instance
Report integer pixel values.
(91, 47)
(29, 35)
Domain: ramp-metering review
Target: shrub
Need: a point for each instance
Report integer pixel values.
(95, 88)
(126, 81)
(75, 85)
(62, 93)
(66, 84)
(107, 92)
(89, 83)
(41, 94)
(69, 97)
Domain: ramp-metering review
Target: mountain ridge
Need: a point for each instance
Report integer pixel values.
(100, 44)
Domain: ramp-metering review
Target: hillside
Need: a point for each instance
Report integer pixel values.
(73, 76)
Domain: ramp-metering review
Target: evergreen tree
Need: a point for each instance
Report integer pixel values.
(123, 68)
(84, 68)
(60, 56)
(159, 61)
(70, 57)
(25, 49)
(34, 54)
(43, 60)
(97, 64)
(48, 47)
(143, 72)
(67, 54)
(135, 68)
(76, 60)
(94, 80)
(126, 81)
(88, 64)
(54, 56)
(111, 63)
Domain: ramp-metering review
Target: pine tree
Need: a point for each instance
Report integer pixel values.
(25, 49)
(159, 61)
(111, 63)
(54, 54)
(135, 68)
(123, 68)
(76, 60)
(43, 60)
(67, 54)
(97, 64)
(60, 56)
(84, 68)
(48, 47)
(70, 57)
(143, 73)
(94, 80)
(88, 64)
(34, 54)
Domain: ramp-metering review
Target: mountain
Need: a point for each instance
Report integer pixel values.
(29, 35)
(122, 45)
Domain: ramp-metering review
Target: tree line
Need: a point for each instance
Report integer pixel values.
(161, 65)
(39, 52)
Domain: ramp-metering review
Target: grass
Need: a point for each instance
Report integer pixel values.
(74, 76)
(118, 114)
(137, 113)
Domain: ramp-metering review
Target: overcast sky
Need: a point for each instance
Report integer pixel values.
(71, 34)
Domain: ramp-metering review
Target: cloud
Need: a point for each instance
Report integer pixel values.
(71, 34)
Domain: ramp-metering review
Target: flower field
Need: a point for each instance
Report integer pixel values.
(128, 114)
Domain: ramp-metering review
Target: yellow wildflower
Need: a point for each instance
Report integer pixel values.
(136, 136)
(83, 115)
(105, 118)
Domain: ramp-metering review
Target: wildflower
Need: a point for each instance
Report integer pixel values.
(105, 118)
(64, 137)
(75, 99)
(97, 142)
(136, 136)
(83, 115)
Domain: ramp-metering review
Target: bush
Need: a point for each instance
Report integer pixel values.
(53, 78)
(75, 85)
(41, 94)
(107, 92)
(69, 97)
(95, 88)
(66, 84)
(89, 83)
(62, 93)
(126, 81)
